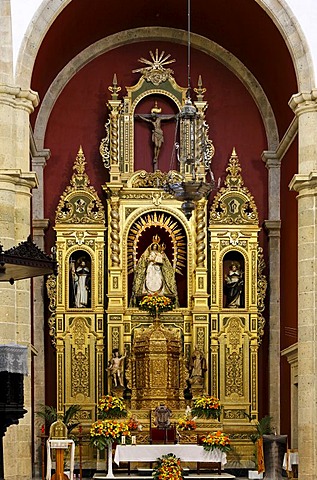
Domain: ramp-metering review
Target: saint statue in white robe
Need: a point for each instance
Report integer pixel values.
(154, 274)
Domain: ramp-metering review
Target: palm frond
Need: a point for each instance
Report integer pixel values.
(264, 426)
(47, 413)
(70, 413)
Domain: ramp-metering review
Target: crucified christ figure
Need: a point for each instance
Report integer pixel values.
(157, 132)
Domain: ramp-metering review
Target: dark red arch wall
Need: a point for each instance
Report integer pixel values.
(80, 112)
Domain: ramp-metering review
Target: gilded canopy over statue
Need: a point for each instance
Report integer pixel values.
(154, 273)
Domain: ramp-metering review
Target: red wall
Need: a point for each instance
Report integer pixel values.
(80, 112)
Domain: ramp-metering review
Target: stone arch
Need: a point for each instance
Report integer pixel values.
(277, 10)
(158, 33)
(41, 22)
(294, 38)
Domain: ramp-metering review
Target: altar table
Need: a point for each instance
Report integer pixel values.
(290, 459)
(150, 453)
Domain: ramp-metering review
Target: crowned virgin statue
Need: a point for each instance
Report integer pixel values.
(154, 274)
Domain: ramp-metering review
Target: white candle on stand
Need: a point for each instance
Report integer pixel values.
(133, 439)
(122, 439)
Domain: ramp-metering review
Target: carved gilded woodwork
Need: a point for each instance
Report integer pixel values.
(157, 354)
(117, 147)
(77, 295)
(233, 204)
(158, 368)
(237, 325)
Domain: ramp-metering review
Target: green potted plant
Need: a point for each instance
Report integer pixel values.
(49, 415)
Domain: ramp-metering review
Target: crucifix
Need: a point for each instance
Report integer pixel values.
(156, 118)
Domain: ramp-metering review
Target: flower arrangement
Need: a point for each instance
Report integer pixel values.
(133, 424)
(168, 467)
(105, 432)
(111, 407)
(207, 407)
(216, 440)
(186, 424)
(156, 303)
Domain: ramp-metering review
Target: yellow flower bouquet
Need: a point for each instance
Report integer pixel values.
(216, 440)
(110, 406)
(156, 303)
(207, 407)
(168, 467)
(185, 423)
(105, 432)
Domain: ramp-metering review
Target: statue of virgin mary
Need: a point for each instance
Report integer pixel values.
(154, 274)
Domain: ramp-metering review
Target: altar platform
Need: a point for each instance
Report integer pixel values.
(146, 475)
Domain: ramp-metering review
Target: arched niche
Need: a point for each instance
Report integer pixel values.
(80, 279)
(165, 229)
(233, 274)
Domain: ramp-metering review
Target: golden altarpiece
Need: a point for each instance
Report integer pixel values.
(211, 265)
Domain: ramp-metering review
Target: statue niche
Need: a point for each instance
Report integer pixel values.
(154, 274)
(157, 259)
(234, 283)
(80, 280)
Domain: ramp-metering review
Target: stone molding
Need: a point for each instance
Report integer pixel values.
(304, 102)
(18, 178)
(304, 182)
(273, 228)
(271, 159)
(40, 225)
(17, 97)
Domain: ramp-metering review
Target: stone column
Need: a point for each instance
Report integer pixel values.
(40, 225)
(16, 182)
(273, 225)
(305, 183)
(291, 354)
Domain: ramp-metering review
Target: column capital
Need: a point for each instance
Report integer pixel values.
(16, 97)
(271, 159)
(40, 225)
(17, 177)
(273, 227)
(40, 158)
(302, 181)
(304, 102)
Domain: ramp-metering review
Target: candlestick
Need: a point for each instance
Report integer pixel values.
(133, 440)
(122, 439)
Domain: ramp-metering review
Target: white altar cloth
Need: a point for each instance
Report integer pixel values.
(290, 458)
(150, 453)
(61, 444)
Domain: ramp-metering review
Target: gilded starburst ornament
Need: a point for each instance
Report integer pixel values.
(155, 72)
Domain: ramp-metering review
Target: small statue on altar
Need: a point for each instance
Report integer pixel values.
(197, 367)
(162, 416)
(115, 368)
(154, 274)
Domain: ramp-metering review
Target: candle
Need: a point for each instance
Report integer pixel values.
(122, 439)
(133, 439)
(42, 429)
